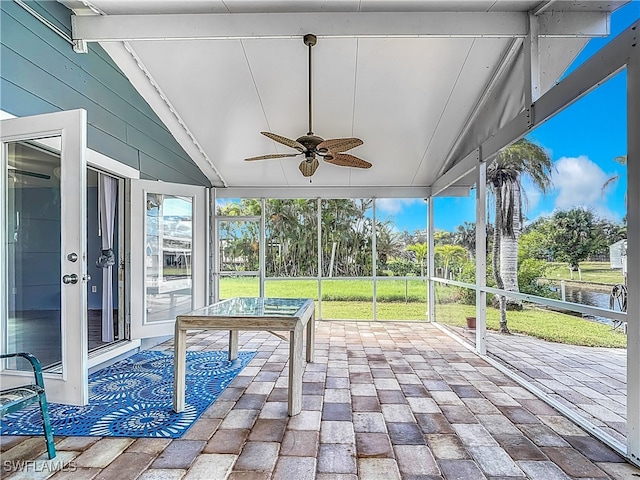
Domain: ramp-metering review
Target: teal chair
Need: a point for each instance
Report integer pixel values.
(16, 398)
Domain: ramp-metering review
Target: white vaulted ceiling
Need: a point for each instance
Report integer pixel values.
(409, 94)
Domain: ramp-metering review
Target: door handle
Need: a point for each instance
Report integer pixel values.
(73, 278)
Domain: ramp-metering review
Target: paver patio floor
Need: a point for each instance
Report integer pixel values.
(382, 401)
(591, 381)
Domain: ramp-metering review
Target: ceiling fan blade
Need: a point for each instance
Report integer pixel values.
(285, 141)
(309, 167)
(339, 144)
(346, 160)
(272, 155)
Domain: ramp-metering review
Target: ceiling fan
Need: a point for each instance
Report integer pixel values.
(313, 146)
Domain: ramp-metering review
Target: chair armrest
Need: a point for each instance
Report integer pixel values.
(35, 364)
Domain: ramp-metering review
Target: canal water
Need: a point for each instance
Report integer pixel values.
(584, 296)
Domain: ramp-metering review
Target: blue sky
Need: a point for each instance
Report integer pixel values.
(582, 141)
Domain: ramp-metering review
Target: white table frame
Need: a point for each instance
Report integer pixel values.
(203, 319)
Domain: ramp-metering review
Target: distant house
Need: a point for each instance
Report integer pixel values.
(618, 254)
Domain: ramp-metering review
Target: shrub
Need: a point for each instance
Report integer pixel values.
(403, 268)
(529, 271)
(467, 296)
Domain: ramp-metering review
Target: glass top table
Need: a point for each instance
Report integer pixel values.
(293, 315)
(254, 307)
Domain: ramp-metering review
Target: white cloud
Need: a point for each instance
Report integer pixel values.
(395, 205)
(578, 182)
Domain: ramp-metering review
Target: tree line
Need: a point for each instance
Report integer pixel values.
(518, 254)
(570, 236)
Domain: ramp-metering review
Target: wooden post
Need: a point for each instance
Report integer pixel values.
(295, 370)
(233, 344)
(311, 334)
(179, 367)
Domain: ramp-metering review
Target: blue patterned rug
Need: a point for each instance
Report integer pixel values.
(133, 398)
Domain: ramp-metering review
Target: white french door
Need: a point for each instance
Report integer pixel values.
(168, 254)
(43, 251)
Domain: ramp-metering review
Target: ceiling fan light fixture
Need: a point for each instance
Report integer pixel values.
(309, 166)
(310, 144)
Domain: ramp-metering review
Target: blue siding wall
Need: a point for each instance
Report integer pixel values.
(35, 249)
(40, 73)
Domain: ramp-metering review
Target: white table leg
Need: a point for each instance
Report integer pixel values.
(311, 335)
(295, 370)
(233, 344)
(179, 368)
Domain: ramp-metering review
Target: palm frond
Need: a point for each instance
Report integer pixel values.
(608, 183)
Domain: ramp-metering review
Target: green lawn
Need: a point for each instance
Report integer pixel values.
(364, 310)
(597, 272)
(388, 290)
(352, 300)
(539, 323)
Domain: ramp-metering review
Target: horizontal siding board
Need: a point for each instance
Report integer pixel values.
(13, 13)
(111, 146)
(55, 63)
(98, 59)
(152, 167)
(40, 73)
(20, 102)
(101, 67)
(104, 77)
(109, 74)
(55, 12)
(147, 145)
(139, 114)
(19, 70)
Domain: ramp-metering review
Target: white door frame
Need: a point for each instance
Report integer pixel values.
(140, 326)
(123, 173)
(71, 385)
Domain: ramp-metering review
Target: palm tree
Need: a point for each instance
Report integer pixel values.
(291, 237)
(346, 237)
(389, 244)
(450, 256)
(421, 250)
(465, 236)
(622, 160)
(504, 177)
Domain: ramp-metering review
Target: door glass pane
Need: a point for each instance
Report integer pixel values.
(32, 242)
(169, 249)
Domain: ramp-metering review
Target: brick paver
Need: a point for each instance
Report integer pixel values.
(381, 401)
(591, 381)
